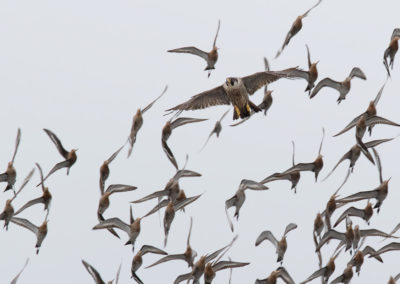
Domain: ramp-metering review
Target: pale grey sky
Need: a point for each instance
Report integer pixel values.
(83, 68)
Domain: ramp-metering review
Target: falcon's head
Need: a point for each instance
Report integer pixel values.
(231, 82)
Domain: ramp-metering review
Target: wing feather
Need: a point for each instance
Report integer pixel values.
(267, 235)
(191, 50)
(327, 82)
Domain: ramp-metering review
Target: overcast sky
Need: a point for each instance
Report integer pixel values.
(83, 68)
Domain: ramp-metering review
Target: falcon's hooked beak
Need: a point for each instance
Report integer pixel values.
(228, 81)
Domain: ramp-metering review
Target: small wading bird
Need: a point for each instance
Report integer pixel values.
(345, 277)
(364, 214)
(96, 275)
(281, 245)
(235, 91)
(45, 198)
(358, 259)
(210, 57)
(187, 256)
(342, 87)
(8, 211)
(105, 170)
(104, 201)
(391, 50)
(14, 281)
(138, 260)
(311, 75)
(296, 27)
(40, 231)
(280, 272)
(138, 122)
(167, 131)
(238, 199)
(371, 111)
(217, 129)
(293, 176)
(10, 175)
(70, 157)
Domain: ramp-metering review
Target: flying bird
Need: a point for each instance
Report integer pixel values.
(345, 277)
(212, 268)
(70, 157)
(280, 272)
(39, 231)
(217, 129)
(365, 213)
(138, 122)
(210, 57)
(342, 87)
(14, 281)
(311, 75)
(235, 91)
(138, 260)
(324, 272)
(281, 245)
(296, 27)
(96, 275)
(10, 175)
(105, 170)
(391, 50)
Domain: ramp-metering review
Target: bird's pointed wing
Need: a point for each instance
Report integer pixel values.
(318, 273)
(331, 234)
(228, 204)
(372, 120)
(24, 183)
(350, 125)
(228, 264)
(267, 235)
(345, 157)
(266, 64)
(57, 142)
(379, 165)
(397, 277)
(294, 149)
(58, 166)
(257, 80)
(169, 153)
(113, 223)
(185, 120)
(118, 273)
(216, 96)
(25, 223)
(284, 275)
(374, 233)
(168, 258)
(29, 204)
(352, 211)
(250, 184)
(309, 10)
(114, 155)
(191, 50)
(357, 72)
(17, 141)
(190, 232)
(120, 188)
(160, 205)
(3, 177)
(289, 228)
(150, 249)
(216, 35)
(301, 74)
(185, 173)
(41, 175)
(300, 167)
(371, 251)
(222, 117)
(183, 277)
(185, 202)
(378, 96)
(322, 141)
(14, 281)
(93, 272)
(358, 196)
(152, 195)
(151, 104)
(327, 82)
(308, 56)
(389, 247)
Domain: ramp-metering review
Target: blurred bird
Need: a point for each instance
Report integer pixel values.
(138, 260)
(389, 247)
(14, 281)
(311, 75)
(292, 176)
(40, 231)
(280, 272)
(210, 57)
(138, 122)
(358, 259)
(318, 227)
(296, 27)
(187, 256)
(217, 129)
(342, 87)
(70, 157)
(10, 175)
(345, 277)
(104, 201)
(211, 268)
(324, 272)
(238, 199)
(281, 245)
(347, 237)
(371, 111)
(96, 275)
(45, 198)
(365, 213)
(394, 280)
(235, 91)
(315, 166)
(167, 131)
(132, 230)
(105, 170)
(8, 211)
(391, 50)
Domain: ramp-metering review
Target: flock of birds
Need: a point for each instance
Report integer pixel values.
(172, 199)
